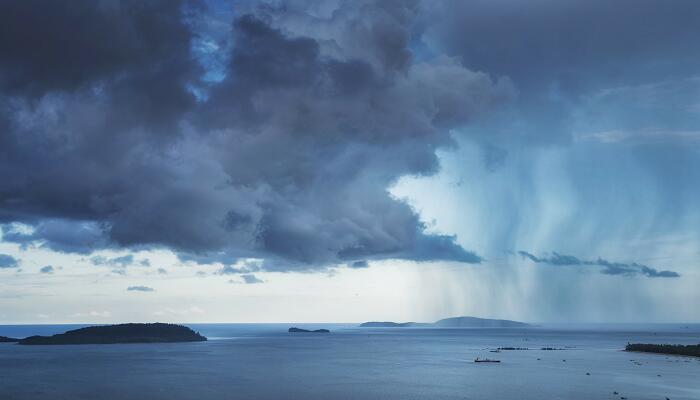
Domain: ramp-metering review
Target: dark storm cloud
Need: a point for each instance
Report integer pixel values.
(609, 267)
(287, 157)
(47, 45)
(335, 149)
(88, 89)
(59, 235)
(140, 289)
(560, 53)
(570, 44)
(7, 261)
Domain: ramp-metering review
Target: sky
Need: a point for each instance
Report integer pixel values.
(345, 161)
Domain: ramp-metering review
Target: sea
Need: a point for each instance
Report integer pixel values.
(264, 361)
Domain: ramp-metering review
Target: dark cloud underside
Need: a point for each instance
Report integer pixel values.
(111, 138)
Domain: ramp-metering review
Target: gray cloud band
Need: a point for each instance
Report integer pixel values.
(608, 267)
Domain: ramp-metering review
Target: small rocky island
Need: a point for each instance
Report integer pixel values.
(455, 322)
(5, 339)
(675, 349)
(122, 333)
(299, 330)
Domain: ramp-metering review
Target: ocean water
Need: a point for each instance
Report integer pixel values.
(263, 361)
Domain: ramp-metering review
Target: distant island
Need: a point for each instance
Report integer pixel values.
(455, 322)
(299, 330)
(675, 349)
(388, 324)
(122, 333)
(473, 322)
(5, 339)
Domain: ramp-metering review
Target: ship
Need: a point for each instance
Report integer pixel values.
(485, 360)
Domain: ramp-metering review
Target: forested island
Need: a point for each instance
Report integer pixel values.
(676, 349)
(122, 333)
(455, 322)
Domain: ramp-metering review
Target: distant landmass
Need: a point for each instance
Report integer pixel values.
(677, 349)
(299, 330)
(455, 322)
(387, 324)
(473, 322)
(4, 339)
(122, 333)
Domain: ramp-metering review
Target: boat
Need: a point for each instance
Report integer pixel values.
(485, 360)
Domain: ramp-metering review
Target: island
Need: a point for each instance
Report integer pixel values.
(455, 322)
(122, 333)
(299, 330)
(675, 349)
(387, 324)
(5, 339)
(473, 322)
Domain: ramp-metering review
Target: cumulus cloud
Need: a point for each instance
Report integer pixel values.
(243, 268)
(122, 261)
(248, 279)
(140, 289)
(286, 156)
(48, 269)
(7, 261)
(609, 267)
(162, 271)
(230, 270)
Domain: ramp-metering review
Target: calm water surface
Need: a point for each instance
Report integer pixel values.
(263, 361)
